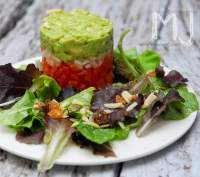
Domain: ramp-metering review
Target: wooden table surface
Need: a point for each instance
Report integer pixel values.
(19, 39)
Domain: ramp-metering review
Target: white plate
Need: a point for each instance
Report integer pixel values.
(161, 135)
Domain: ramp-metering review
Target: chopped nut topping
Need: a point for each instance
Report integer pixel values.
(55, 114)
(127, 96)
(132, 106)
(55, 111)
(113, 105)
(108, 111)
(100, 117)
(105, 125)
(92, 124)
(134, 97)
(53, 105)
(120, 99)
(149, 100)
(152, 74)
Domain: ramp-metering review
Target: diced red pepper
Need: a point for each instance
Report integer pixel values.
(71, 74)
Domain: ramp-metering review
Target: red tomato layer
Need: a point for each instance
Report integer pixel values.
(79, 77)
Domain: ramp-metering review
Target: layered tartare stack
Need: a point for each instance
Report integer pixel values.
(77, 48)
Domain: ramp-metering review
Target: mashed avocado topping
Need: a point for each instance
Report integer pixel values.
(76, 35)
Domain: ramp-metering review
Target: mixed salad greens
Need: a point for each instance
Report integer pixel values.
(141, 94)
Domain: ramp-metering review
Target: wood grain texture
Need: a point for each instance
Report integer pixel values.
(22, 41)
(10, 13)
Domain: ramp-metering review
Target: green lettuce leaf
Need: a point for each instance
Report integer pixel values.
(22, 114)
(58, 132)
(82, 98)
(155, 84)
(45, 87)
(57, 135)
(97, 135)
(125, 61)
(131, 65)
(137, 121)
(102, 135)
(149, 60)
(181, 110)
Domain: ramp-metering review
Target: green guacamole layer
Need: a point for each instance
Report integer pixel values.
(76, 35)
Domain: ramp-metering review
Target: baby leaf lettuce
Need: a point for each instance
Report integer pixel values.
(125, 61)
(102, 135)
(58, 132)
(56, 137)
(22, 114)
(13, 82)
(83, 98)
(97, 135)
(149, 60)
(180, 110)
(131, 65)
(45, 87)
(155, 84)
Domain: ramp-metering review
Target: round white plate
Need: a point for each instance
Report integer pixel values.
(161, 135)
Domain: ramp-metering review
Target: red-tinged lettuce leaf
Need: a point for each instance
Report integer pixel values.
(106, 95)
(160, 106)
(174, 78)
(157, 107)
(13, 83)
(29, 137)
(121, 115)
(125, 61)
(160, 71)
(131, 65)
(180, 110)
(138, 87)
(98, 149)
(57, 135)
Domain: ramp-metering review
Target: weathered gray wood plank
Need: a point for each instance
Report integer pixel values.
(11, 12)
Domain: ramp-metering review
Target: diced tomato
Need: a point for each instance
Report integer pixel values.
(71, 74)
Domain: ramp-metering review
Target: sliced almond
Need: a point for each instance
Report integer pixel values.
(108, 111)
(84, 118)
(121, 124)
(132, 106)
(74, 124)
(127, 96)
(105, 125)
(73, 120)
(92, 124)
(39, 105)
(113, 105)
(149, 100)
